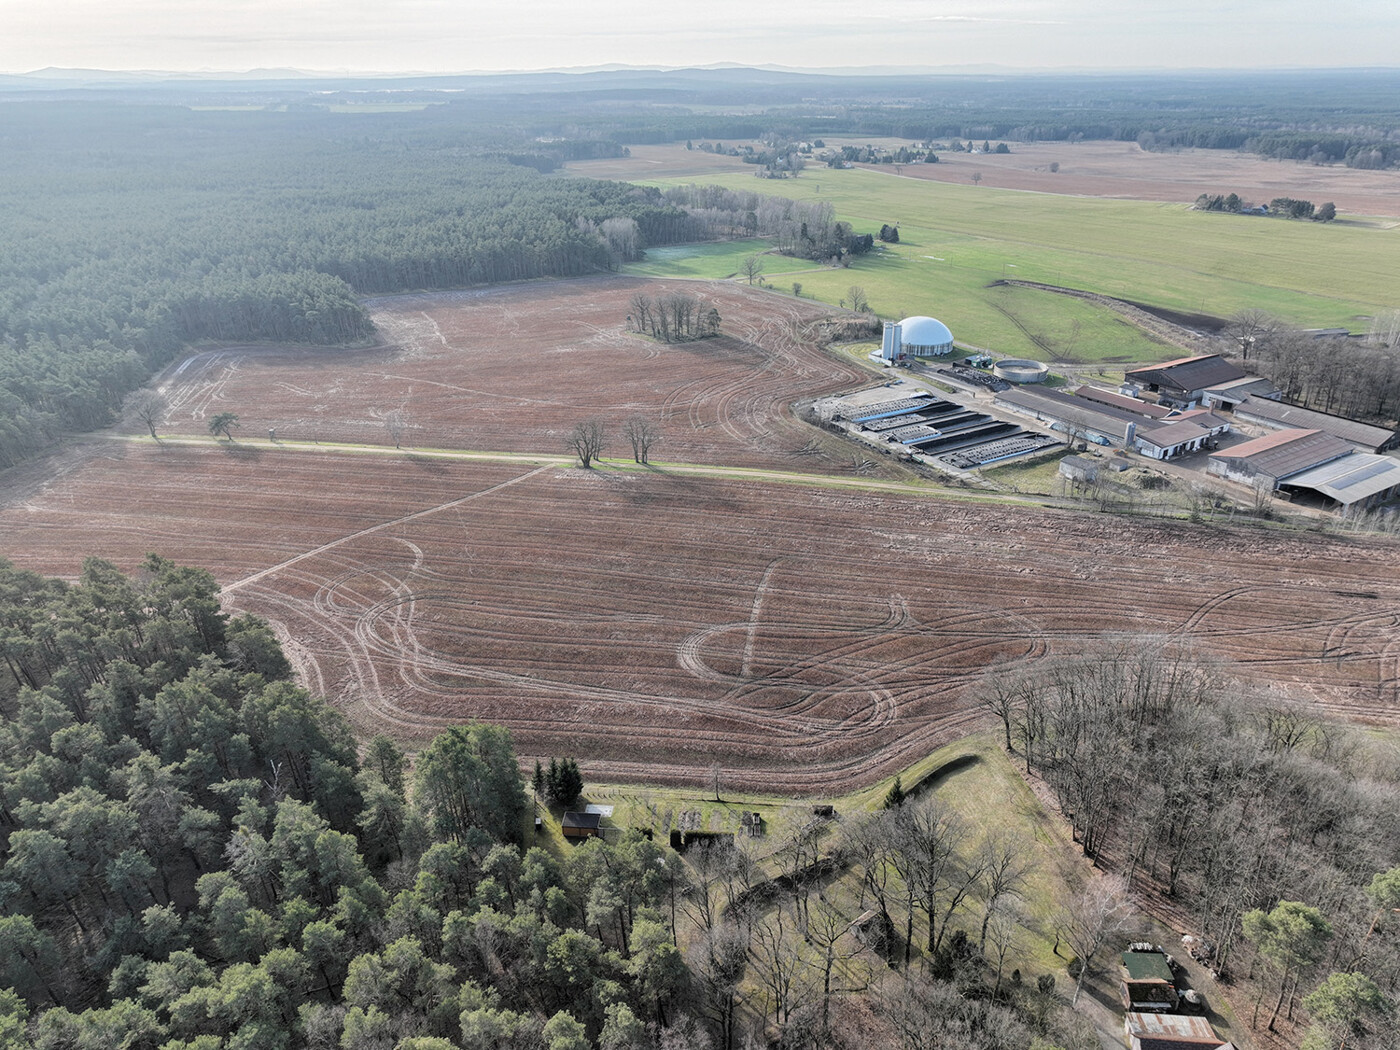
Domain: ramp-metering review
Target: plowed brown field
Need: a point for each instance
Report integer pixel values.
(516, 369)
(652, 623)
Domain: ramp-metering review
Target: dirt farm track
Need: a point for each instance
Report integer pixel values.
(803, 634)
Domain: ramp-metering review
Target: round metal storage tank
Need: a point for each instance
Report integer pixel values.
(1015, 370)
(924, 335)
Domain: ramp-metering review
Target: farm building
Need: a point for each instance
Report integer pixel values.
(916, 337)
(1227, 395)
(1174, 438)
(1152, 1031)
(1202, 417)
(1278, 456)
(1148, 984)
(1080, 468)
(1148, 996)
(1098, 424)
(1183, 382)
(1157, 435)
(1135, 405)
(582, 825)
(1277, 416)
(1355, 482)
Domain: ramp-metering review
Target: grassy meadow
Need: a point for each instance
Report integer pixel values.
(957, 241)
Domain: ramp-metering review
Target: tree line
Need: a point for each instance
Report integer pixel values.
(1356, 378)
(806, 229)
(1287, 207)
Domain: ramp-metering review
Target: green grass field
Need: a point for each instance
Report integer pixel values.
(957, 241)
(719, 261)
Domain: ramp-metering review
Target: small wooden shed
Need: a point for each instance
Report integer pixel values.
(582, 825)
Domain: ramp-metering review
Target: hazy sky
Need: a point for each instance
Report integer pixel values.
(467, 35)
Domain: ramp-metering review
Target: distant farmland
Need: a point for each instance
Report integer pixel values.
(956, 241)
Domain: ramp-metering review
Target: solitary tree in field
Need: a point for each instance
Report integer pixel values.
(396, 423)
(858, 301)
(147, 406)
(586, 442)
(976, 177)
(751, 267)
(224, 423)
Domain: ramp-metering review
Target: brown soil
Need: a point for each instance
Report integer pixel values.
(515, 369)
(808, 639)
(1126, 171)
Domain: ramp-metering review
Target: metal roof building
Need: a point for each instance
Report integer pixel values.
(1098, 423)
(1173, 438)
(1276, 414)
(1152, 1031)
(1230, 393)
(1278, 456)
(1359, 480)
(1116, 400)
(1186, 378)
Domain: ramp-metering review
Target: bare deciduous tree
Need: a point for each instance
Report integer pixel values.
(1251, 330)
(777, 961)
(1003, 871)
(396, 423)
(751, 267)
(149, 407)
(586, 442)
(1096, 912)
(641, 434)
(224, 423)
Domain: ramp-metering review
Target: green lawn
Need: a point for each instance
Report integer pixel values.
(957, 241)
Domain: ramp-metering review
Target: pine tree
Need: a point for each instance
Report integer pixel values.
(551, 781)
(895, 798)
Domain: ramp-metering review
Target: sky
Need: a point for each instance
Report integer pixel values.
(454, 36)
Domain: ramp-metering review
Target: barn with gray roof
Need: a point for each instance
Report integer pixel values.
(1275, 457)
(1276, 415)
(1183, 381)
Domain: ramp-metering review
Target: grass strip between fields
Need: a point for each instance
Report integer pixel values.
(603, 466)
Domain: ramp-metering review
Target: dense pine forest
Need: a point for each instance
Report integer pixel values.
(130, 232)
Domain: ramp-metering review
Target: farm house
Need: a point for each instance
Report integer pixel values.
(916, 337)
